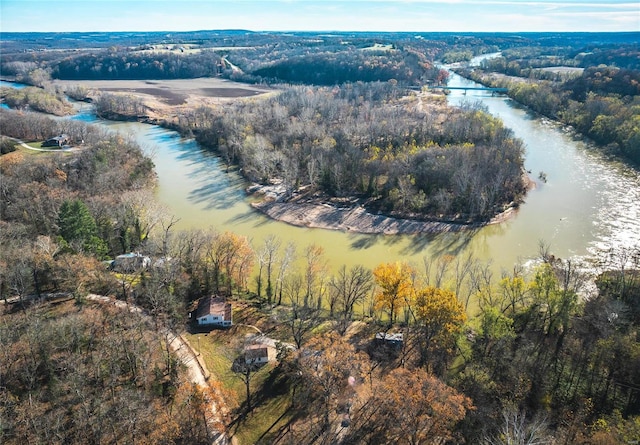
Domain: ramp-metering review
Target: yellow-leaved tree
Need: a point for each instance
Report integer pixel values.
(230, 257)
(395, 283)
(440, 317)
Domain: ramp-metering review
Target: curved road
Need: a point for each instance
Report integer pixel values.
(24, 145)
(196, 370)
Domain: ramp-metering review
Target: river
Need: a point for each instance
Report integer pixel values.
(588, 204)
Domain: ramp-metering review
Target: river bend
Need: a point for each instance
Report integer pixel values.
(588, 204)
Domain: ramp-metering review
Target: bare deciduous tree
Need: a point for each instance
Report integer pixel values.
(348, 288)
(518, 430)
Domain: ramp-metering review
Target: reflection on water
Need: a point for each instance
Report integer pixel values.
(587, 205)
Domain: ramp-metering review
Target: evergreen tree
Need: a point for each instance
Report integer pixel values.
(78, 228)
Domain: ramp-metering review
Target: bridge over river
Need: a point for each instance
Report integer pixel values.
(474, 88)
(493, 90)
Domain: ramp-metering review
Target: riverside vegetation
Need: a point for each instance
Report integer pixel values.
(37, 99)
(412, 158)
(533, 360)
(530, 355)
(596, 93)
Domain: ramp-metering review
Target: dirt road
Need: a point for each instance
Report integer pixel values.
(196, 369)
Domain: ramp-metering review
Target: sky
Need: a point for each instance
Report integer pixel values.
(321, 15)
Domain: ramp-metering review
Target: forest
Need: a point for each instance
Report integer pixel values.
(78, 374)
(362, 140)
(600, 97)
(491, 359)
(543, 353)
(72, 372)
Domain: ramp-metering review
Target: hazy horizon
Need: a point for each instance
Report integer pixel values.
(321, 15)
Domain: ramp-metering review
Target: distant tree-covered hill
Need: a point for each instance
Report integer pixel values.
(114, 65)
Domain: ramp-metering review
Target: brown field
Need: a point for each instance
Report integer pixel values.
(167, 97)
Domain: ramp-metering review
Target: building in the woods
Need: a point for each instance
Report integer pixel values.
(131, 262)
(259, 354)
(58, 141)
(213, 311)
(394, 340)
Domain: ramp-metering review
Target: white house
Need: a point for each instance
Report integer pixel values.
(395, 340)
(214, 311)
(130, 262)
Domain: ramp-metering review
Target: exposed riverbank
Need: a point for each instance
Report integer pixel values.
(317, 213)
(359, 220)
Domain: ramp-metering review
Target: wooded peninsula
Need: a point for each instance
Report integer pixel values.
(442, 352)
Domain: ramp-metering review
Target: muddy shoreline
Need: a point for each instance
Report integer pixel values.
(306, 208)
(166, 98)
(358, 220)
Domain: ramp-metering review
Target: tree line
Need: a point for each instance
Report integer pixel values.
(536, 344)
(398, 154)
(585, 54)
(125, 64)
(601, 103)
(330, 68)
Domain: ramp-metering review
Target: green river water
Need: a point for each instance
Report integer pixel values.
(587, 206)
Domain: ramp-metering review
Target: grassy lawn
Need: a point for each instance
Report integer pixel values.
(270, 396)
(36, 145)
(265, 421)
(26, 151)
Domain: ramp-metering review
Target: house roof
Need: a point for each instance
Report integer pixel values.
(130, 255)
(256, 351)
(62, 137)
(262, 340)
(259, 351)
(213, 306)
(385, 336)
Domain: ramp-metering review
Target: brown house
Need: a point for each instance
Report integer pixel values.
(259, 354)
(58, 141)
